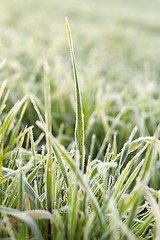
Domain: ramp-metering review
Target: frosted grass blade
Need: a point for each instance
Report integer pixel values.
(61, 164)
(48, 125)
(79, 130)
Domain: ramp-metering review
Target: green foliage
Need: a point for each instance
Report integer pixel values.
(102, 183)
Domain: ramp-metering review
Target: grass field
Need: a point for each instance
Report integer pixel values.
(79, 148)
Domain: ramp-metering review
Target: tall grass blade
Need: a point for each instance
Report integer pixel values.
(73, 214)
(79, 130)
(48, 125)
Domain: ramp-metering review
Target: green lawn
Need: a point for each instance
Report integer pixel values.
(62, 175)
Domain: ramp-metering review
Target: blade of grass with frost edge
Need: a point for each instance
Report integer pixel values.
(125, 150)
(19, 147)
(79, 130)
(73, 213)
(9, 147)
(132, 177)
(34, 156)
(92, 147)
(61, 164)
(48, 124)
(21, 195)
(54, 181)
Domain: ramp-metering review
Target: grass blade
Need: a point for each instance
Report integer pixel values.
(79, 130)
(61, 164)
(48, 124)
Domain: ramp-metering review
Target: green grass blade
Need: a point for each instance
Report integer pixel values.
(73, 214)
(49, 189)
(125, 150)
(33, 174)
(21, 195)
(54, 182)
(37, 110)
(122, 178)
(79, 130)
(149, 158)
(61, 164)
(13, 138)
(19, 147)
(132, 177)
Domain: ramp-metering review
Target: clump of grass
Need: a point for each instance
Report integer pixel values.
(55, 193)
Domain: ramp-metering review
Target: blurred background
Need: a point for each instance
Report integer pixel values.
(117, 49)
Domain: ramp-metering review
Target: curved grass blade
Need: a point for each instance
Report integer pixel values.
(24, 217)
